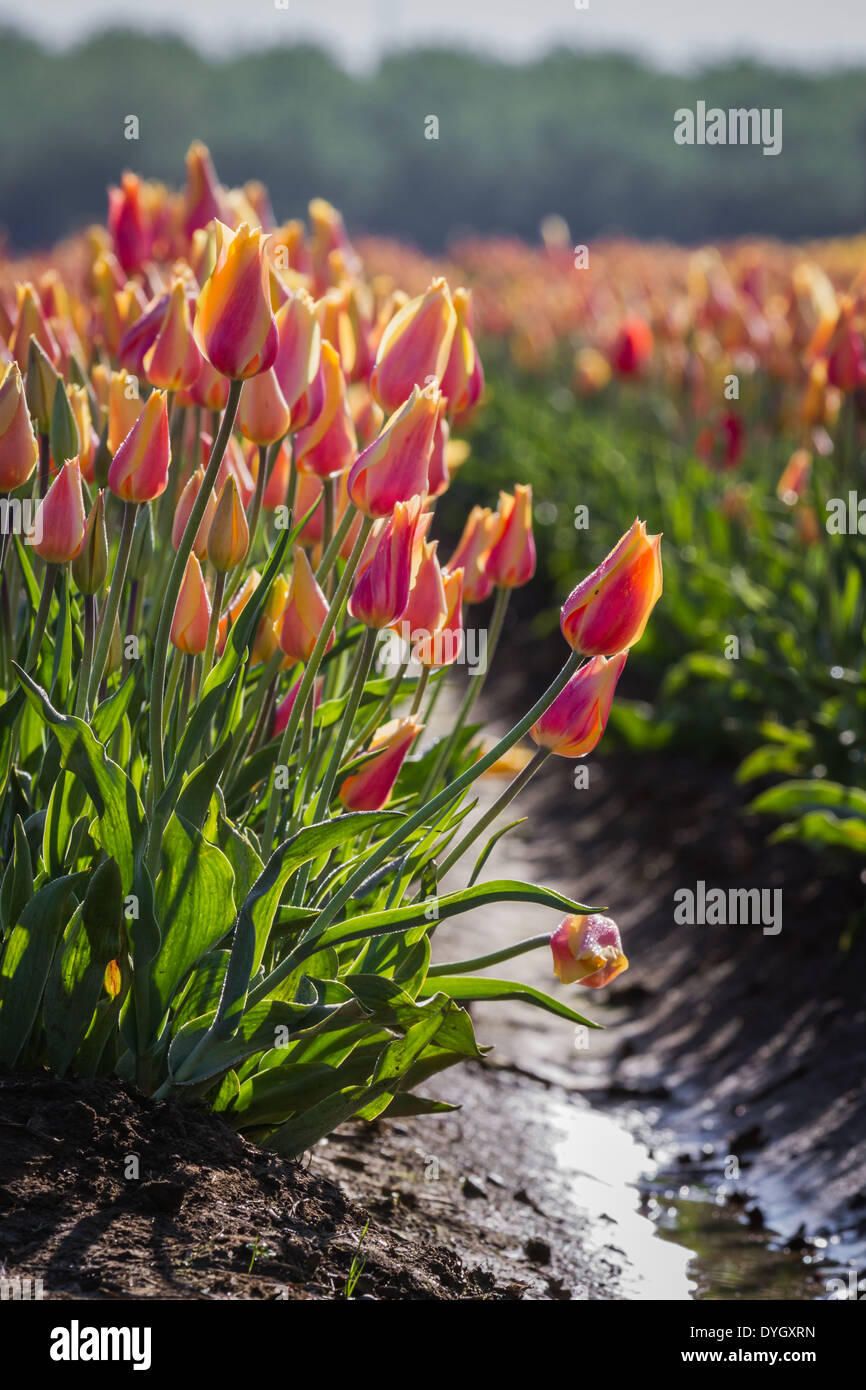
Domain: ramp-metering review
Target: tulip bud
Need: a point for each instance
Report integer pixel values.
(285, 707)
(234, 324)
(327, 445)
(114, 660)
(228, 539)
(60, 521)
(463, 379)
(182, 514)
(128, 225)
(329, 235)
(90, 565)
(19, 451)
(88, 439)
(189, 626)
(511, 560)
(139, 469)
(395, 466)
(263, 415)
(415, 346)
(173, 361)
(300, 345)
(471, 554)
(370, 788)
(202, 197)
(305, 612)
(31, 323)
(573, 724)
(609, 610)
(142, 548)
(381, 593)
(587, 950)
(63, 434)
(42, 379)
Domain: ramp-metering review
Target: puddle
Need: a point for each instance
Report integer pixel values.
(684, 1232)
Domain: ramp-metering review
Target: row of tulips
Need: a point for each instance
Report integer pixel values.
(224, 831)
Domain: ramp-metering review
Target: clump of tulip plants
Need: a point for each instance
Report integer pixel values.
(224, 829)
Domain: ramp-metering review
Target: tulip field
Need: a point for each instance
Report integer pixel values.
(274, 497)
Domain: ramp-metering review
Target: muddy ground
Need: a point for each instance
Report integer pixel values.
(739, 1045)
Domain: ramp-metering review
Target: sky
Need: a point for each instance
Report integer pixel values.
(672, 33)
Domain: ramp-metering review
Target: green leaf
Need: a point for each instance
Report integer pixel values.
(26, 960)
(76, 984)
(477, 987)
(494, 838)
(17, 887)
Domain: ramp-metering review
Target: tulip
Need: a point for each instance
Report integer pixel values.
(139, 469)
(591, 371)
(277, 482)
(173, 361)
(328, 236)
(128, 224)
(370, 788)
(31, 323)
(795, 477)
(228, 539)
(60, 522)
(327, 445)
(210, 390)
(305, 612)
(189, 626)
(574, 723)
(285, 707)
(300, 345)
(182, 511)
(202, 198)
(88, 439)
(441, 646)
(42, 379)
(90, 565)
(427, 606)
(267, 636)
(415, 346)
(846, 351)
(309, 492)
(633, 346)
(381, 592)
(234, 323)
(124, 407)
(609, 610)
(471, 554)
(587, 950)
(263, 414)
(463, 379)
(18, 448)
(395, 466)
(511, 559)
(367, 416)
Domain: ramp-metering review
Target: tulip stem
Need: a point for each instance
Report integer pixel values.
(448, 794)
(463, 967)
(41, 616)
(515, 786)
(333, 549)
(169, 602)
(476, 684)
(381, 709)
(213, 626)
(419, 690)
(44, 463)
(86, 656)
(112, 603)
(266, 460)
(310, 671)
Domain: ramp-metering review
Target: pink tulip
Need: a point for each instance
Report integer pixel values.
(587, 950)
(574, 723)
(608, 610)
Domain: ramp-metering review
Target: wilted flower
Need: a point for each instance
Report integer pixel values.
(587, 950)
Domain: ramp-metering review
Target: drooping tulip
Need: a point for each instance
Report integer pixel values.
(234, 322)
(415, 346)
(396, 465)
(370, 788)
(609, 610)
(189, 626)
(573, 724)
(18, 448)
(59, 525)
(228, 538)
(510, 561)
(587, 950)
(381, 592)
(139, 469)
(305, 612)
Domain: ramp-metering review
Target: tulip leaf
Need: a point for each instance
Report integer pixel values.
(92, 939)
(479, 987)
(28, 952)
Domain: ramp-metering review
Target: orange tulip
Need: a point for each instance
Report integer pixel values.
(574, 723)
(370, 788)
(587, 950)
(441, 647)
(299, 349)
(395, 466)
(510, 562)
(228, 539)
(124, 407)
(18, 448)
(471, 554)
(128, 224)
(327, 445)
(463, 379)
(182, 512)
(60, 523)
(189, 626)
(381, 592)
(415, 346)
(609, 610)
(234, 323)
(305, 612)
(139, 470)
(173, 361)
